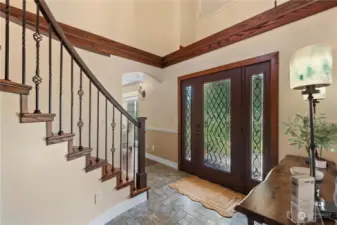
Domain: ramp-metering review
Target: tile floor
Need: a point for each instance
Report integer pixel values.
(166, 206)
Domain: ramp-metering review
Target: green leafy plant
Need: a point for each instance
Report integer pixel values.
(299, 131)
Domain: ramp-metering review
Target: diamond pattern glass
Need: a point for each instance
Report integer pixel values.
(257, 126)
(187, 122)
(217, 125)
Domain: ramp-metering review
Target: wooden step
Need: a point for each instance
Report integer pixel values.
(134, 193)
(123, 184)
(92, 164)
(108, 172)
(36, 117)
(56, 138)
(12, 87)
(77, 153)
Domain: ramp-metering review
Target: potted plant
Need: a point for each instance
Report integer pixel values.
(325, 134)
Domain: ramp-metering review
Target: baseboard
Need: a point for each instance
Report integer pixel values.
(118, 209)
(166, 162)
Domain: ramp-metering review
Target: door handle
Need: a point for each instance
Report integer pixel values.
(198, 132)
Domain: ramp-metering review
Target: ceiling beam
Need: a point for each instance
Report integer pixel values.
(281, 15)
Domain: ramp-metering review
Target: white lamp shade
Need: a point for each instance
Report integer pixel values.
(319, 96)
(311, 65)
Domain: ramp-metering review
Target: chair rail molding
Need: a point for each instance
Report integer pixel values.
(162, 130)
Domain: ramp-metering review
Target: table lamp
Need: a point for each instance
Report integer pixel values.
(311, 69)
(317, 97)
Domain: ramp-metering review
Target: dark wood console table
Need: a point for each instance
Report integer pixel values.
(269, 202)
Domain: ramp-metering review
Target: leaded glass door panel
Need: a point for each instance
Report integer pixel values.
(218, 148)
(256, 80)
(188, 136)
(225, 126)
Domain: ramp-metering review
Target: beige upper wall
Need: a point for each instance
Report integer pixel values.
(157, 26)
(230, 14)
(202, 18)
(150, 25)
(285, 40)
(37, 182)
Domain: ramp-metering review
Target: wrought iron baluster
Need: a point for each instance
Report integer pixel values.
(80, 122)
(89, 115)
(127, 149)
(113, 149)
(106, 130)
(24, 3)
(7, 41)
(97, 144)
(61, 87)
(72, 96)
(50, 67)
(121, 145)
(134, 156)
(37, 79)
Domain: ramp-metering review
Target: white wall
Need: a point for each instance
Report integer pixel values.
(286, 39)
(38, 185)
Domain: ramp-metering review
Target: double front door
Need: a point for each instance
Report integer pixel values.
(225, 126)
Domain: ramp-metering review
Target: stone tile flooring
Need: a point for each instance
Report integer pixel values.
(166, 206)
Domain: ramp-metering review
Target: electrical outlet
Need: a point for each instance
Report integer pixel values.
(97, 197)
(153, 147)
(147, 146)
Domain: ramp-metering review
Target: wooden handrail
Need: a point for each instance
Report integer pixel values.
(71, 50)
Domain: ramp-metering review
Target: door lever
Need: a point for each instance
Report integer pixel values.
(198, 132)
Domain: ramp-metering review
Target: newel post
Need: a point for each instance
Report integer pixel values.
(141, 174)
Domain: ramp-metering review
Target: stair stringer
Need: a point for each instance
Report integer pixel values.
(39, 186)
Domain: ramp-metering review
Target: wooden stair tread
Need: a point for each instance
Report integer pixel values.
(12, 87)
(56, 138)
(94, 165)
(139, 191)
(36, 117)
(77, 153)
(123, 184)
(111, 173)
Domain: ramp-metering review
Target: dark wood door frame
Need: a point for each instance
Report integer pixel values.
(273, 58)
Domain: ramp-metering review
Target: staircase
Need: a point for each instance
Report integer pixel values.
(129, 171)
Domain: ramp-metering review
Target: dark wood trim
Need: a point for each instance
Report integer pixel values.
(241, 63)
(283, 14)
(77, 153)
(138, 192)
(124, 184)
(36, 117)
(179, 125)
(274, 63)
(274, 108)
(12, 87)
(92, 164)
(55, 138)
(86, 40)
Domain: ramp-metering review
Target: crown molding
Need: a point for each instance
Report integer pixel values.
(281, 15)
